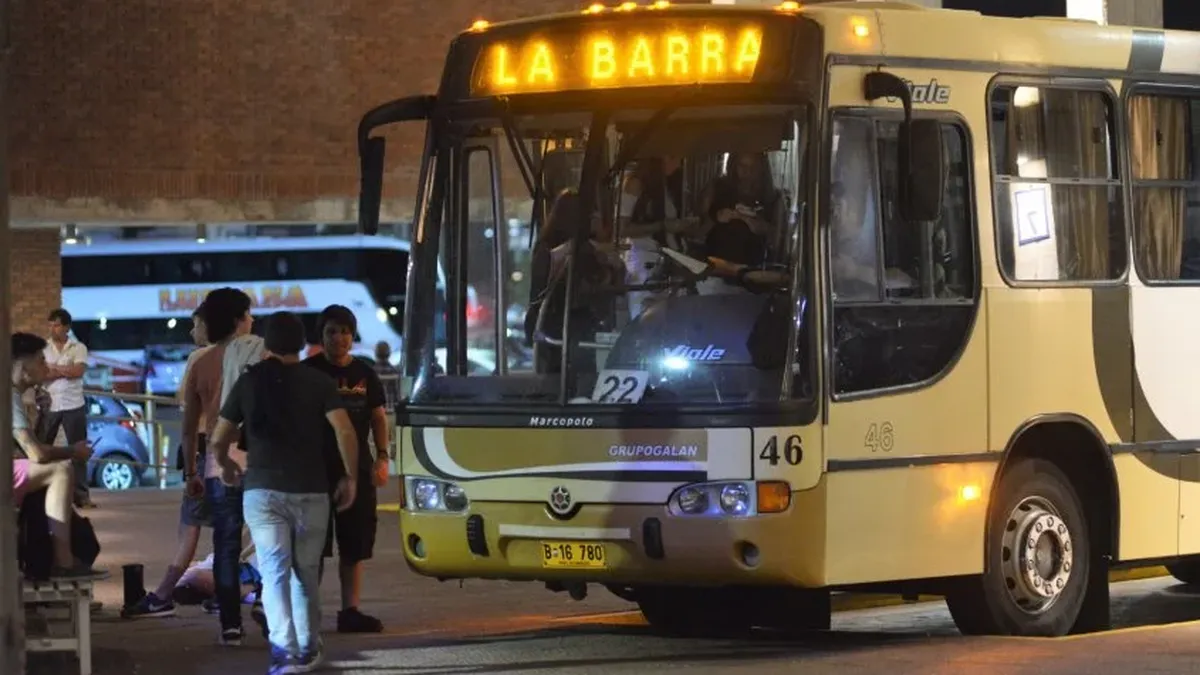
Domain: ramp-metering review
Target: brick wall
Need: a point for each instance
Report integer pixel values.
(36, 278)
(220, 99)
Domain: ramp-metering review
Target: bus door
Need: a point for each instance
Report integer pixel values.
(908, 468)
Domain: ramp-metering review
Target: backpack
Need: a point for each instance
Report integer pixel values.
(35, 548)
(35, 551)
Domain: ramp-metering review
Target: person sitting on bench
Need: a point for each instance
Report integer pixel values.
(45, 466)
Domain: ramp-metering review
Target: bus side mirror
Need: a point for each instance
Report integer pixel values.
(922, 175)
(920, 171)
(370, 192)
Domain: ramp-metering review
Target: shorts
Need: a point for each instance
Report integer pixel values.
(195, 512)
(20, 479)
(354, 528)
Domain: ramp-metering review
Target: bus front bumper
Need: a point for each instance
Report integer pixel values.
(642, 544)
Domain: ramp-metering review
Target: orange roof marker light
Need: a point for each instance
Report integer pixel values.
(788, 6)
(627, 7)
(661, 4)
(479, 25)
(594, 8)
(860, 27)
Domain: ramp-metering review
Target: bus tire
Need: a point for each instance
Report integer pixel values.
(1038, 558)
(1186, 571)
(693, 612)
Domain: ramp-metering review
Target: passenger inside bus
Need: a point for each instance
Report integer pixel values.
(738, 233)
(651, 214)
(592, 304)
(854, 241)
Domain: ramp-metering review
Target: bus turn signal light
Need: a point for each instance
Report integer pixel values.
(774, 497)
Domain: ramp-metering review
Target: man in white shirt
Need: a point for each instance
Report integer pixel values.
(67, 360)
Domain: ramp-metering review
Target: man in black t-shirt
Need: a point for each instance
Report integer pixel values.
(363, 398)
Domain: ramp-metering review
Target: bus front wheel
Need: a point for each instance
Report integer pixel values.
(1039, 556)
(1187, 571)
(693, 612)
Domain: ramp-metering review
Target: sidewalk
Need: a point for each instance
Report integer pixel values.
(138, 526)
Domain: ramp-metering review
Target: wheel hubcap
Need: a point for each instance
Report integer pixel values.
(116, 476)
(1037, 555)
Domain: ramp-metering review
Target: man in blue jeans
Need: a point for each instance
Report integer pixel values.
(284, 407)
(226, 315)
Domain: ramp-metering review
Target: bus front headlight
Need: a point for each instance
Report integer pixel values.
(735, 499)
(693, 500)
(720, 499)
(430, 494)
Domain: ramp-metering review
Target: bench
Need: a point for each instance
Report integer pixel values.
(74, 596)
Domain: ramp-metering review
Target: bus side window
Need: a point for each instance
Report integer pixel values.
(1058, 188)
(904, 314)
(1164, 150)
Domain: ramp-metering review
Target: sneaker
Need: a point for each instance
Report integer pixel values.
(232, 637)
(149, 607)
(210, 606)
(281, 664)
(309, 661)
(353, 621)
(259, 615)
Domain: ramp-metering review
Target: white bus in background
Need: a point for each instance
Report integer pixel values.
(131, 300)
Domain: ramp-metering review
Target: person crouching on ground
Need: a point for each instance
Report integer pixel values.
(284, 408)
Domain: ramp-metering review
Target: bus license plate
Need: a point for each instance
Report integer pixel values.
(579, 554)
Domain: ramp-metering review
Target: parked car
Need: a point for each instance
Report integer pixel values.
(120, 456)
(164, 366)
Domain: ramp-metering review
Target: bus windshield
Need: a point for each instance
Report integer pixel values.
(632, 257)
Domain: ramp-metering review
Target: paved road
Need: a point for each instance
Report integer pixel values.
(506, 627)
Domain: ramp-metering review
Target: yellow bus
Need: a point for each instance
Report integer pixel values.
(795, 300)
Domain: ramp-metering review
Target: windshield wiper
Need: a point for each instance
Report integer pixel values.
(531, 175)
(519, 151)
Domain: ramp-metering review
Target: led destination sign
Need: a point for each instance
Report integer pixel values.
(637, 54)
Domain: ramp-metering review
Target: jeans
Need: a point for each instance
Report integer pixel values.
(74, 426)
(225, 509)
(289, 531)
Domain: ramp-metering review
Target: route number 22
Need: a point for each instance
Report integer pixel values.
(620, 386)
(793, 451)
(879, 437)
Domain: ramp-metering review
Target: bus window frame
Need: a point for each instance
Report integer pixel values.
(459, 260)
(953, 118)
(443, 138)
(1152, 88)
(1118, 133)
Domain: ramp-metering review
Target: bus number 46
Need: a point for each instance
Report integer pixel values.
(793, 452)
(879, 437)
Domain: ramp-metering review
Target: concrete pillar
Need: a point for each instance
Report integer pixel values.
(12, 624)
(1142, 13)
